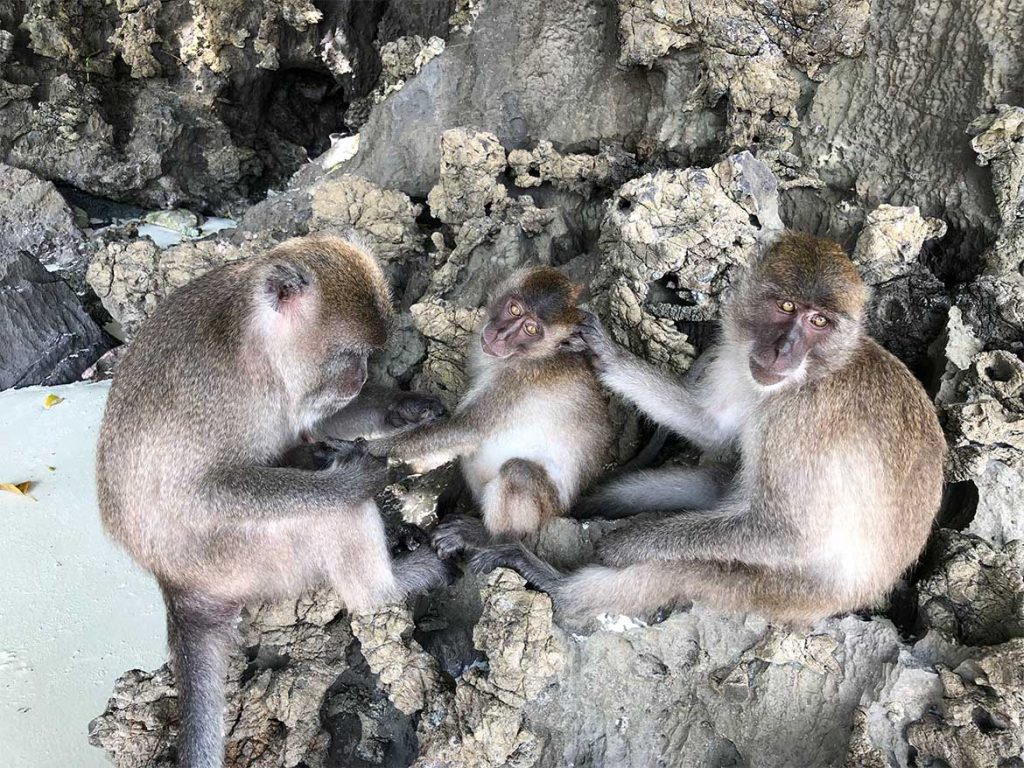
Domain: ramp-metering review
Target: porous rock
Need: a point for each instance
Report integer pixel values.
(909, 305)
(671, 241)
(974, 593)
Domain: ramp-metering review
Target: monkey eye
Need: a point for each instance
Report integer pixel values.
(787, 306)
(514, 309)
(531, 327)
(819, 321)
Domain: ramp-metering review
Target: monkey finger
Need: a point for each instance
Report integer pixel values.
(486, 560)
(458, 535)
(575, 343)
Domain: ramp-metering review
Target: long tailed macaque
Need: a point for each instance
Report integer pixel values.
(533, 429)
(840, 460)
(226, 377)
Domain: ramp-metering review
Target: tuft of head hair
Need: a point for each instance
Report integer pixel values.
(812, 270)
(335, 279)
(552, 296)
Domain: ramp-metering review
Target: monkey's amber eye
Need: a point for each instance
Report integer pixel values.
(531, 327)
(787, 306)
(514, 309)
(819, 321)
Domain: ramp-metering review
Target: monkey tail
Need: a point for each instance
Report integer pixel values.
(200, 631)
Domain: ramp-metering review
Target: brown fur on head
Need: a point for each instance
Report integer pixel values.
(814, 270)
(343, 286)
(532, 313)
(322, 306)
(798, 312)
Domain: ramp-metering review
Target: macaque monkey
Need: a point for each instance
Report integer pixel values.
(533, 430)
(840, 468)
(229, 374)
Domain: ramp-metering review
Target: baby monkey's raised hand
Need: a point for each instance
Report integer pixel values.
(591, 336)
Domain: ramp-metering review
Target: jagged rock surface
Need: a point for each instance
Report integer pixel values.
(48, 337)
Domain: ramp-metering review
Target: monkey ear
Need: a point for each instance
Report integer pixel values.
(575, 291)
(285, 284)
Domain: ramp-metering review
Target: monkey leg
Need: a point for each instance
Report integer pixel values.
(359, 564)
(643, 588)
(519, 500)
(657, 490)
(200, 631)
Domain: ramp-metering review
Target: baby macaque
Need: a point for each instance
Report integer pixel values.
(533, 429)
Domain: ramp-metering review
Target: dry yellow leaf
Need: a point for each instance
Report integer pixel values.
(21, 489)
(52, 400)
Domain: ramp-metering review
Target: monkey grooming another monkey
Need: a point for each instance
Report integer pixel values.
(533, 429)
(228, 374)
(840, 460)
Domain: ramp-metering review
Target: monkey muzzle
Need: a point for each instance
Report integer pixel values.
(494, 340)
(780, 355)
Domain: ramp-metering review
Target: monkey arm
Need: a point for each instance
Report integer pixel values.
(239, 494)
(381, 411)
(432, 444)
(677, 405)
(728, 536)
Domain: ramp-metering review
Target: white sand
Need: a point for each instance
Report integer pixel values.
(75, 612)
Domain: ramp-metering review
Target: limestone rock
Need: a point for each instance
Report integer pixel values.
(34, 218)
(470, 163)
(278, 680)
(131, 278)
(48, 337)
(671, 241)
(975, 593)
(909, 305)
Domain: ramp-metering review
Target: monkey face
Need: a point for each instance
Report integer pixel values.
(799, 310)
(341, 378)
(512, 328)
(787, 334)
(535, 313)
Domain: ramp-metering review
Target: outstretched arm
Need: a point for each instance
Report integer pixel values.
(430, 445)
(379, 412)
(667, 400)
(240, 494)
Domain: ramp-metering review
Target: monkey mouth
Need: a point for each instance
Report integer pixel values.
(491, 351)
(766, 377)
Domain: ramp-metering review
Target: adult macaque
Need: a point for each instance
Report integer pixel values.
(841, 460)
(227, 377)
(533, 429)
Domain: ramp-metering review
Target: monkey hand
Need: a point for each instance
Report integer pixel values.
(403, 536)
(458, 535)
(594, 335)
(363, 474)
(410, 409)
